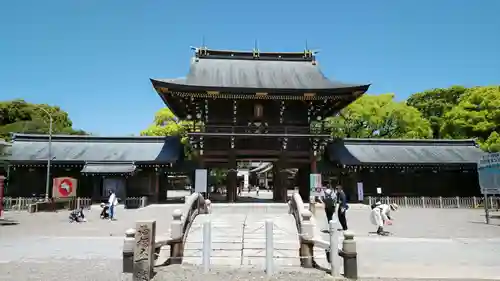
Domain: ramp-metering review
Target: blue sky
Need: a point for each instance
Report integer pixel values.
(94, 58)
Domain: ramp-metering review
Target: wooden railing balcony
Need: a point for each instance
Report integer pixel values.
(256, 130)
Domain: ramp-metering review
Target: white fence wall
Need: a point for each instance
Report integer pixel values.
(437, 202)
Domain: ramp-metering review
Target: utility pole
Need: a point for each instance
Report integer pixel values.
(49, 157)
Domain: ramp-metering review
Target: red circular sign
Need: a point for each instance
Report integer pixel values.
(65, 187)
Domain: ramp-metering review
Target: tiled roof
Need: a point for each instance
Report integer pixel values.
(27, 147)
(240, 70)
(420, 152)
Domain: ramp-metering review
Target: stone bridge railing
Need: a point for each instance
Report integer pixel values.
(310, 237)
(194, 205)
(142, 250)
(305, 228)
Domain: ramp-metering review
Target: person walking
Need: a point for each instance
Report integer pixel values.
(112, 202)
(329, 200)
(342, 199)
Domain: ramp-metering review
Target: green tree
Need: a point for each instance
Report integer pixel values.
(165, 123)
(379, 116)
(492, 144)
(435, 103)
(477, 115)
(18, 116)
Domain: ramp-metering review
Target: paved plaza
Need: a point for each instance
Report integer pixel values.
(426, 243)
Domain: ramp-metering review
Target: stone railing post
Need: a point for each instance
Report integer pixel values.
(440, 202)
(370, 201)
(306, 250)
(128, 251)
(176, 235)
(144, 201)
(144, 250)
(406, 201)
(350, 256)
(312, 206)
(423, 202)
(458, 202)
(208, 206)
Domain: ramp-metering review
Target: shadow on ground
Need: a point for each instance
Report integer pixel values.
(7, 222)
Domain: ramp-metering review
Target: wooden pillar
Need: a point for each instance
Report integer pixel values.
(232, 178)
(282, 197)
(276, 179)
(304, 189)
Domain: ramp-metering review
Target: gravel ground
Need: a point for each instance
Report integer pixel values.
(109, 270)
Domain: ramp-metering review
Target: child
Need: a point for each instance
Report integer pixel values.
(77, 215)
(105, 211)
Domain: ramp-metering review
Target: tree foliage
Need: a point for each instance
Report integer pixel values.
(19, 116)
(4, 153)
(435, 103)
(379, 116)
(477, 115)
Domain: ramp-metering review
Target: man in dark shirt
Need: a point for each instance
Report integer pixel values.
(342, 207)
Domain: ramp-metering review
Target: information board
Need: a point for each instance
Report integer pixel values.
(488, 169)
(200, 182)
(315, 184)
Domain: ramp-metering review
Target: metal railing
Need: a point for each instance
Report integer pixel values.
(437, 202)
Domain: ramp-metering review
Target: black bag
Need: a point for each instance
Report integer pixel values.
(330, 200)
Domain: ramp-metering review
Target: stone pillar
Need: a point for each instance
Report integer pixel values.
(306, 251)
(176, 238)
(144, 250)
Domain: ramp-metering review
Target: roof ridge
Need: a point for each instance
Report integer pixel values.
(471, 142)
(87, 138)
(205, 53)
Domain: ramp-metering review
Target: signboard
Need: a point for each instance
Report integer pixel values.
(64, 187)
(315, 184)
(379, 190)
(488, 169)
(200, 182)
(361, 193)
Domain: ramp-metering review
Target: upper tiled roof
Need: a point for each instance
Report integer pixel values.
(422, 152)
(241, 70)
(27, 147)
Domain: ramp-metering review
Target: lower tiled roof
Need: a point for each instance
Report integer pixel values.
(27, 147)
(419, 152)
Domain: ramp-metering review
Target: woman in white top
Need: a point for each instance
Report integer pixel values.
(112, 202)
(381, 215)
